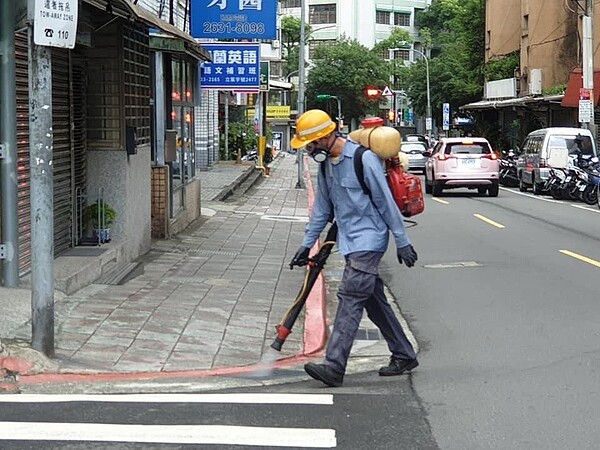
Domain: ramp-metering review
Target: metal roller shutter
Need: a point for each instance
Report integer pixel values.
(23, 152)
(62, 151)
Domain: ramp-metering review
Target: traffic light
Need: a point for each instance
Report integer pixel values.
(372, 92)
(392, 115)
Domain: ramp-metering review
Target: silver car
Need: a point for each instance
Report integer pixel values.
(414, 151)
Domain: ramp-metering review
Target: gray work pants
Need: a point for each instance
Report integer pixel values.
(361, 288)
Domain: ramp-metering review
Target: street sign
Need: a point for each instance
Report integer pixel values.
(234, 65)
(446, 116)
(585, 105)
(55, 23)
(265, 69)
(239, 19)
(387, 92)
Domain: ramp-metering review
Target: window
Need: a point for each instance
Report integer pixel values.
(119, 86)
(292, 3)
(322, 14)
(402, 54)
(402, 19)
(182, 101)
(382, 17)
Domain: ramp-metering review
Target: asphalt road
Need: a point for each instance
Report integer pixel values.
(510, 338)
(368, 412)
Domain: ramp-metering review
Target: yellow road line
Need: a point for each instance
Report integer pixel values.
(591, 261)
(489, 221)
(439, 200)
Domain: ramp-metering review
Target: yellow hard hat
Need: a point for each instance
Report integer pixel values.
(310, 126)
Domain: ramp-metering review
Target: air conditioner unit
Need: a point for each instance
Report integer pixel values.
(535, 82)
(275, 43)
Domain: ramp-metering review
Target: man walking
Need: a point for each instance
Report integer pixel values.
(363, 224)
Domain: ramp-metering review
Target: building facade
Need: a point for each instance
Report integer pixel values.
(547, 36)
(126, 116)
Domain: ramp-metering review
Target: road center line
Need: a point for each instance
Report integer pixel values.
(439, 200)
(591, 261)
(489, 221)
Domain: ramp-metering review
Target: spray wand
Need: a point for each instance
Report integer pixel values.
(315, 266)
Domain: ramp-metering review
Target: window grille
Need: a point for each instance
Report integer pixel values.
(318, 14)
(292, 3)
(402, 19)
(119, 87)
(314, 44)
(382, 17)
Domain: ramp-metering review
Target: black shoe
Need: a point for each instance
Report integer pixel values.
(325, 374)
(398, 366)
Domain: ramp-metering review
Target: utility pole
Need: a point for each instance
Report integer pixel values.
(588, 60)
(42, 202)
(301, 76)
(9, 242)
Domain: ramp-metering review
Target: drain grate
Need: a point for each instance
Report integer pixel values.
(368, 334)
(193, 251)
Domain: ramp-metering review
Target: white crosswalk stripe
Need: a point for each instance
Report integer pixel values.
(223, 434)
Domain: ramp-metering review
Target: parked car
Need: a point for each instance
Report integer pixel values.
(415, 153)
(462, 163)
(550, 148)
(416, 138)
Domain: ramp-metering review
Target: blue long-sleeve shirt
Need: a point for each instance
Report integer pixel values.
(363, 224)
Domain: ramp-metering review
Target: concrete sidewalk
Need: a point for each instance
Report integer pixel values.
(205, 302)
(208, 298)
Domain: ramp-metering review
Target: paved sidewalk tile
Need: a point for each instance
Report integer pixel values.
(210, 297)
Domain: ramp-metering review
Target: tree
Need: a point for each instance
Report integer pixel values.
(290, 40)
(345, 69)
(456, 30)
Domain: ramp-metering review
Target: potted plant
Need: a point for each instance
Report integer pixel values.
(99, 216)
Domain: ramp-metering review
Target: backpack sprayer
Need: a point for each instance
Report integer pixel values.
(315, 266)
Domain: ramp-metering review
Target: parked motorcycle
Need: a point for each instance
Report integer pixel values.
(508, 170)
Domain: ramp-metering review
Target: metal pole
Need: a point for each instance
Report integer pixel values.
(8, 146)
(428, 118)
(42, 204)
(226, 125)
(588, 61)
(302, 47)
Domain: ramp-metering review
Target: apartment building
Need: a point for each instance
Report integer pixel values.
(548, 38)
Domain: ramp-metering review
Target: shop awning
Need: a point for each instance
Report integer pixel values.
(282, 85)
(575, 83)
(132, 11)
(512, 102)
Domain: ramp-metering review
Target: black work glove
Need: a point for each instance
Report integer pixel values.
(407, 255)
(300, 258)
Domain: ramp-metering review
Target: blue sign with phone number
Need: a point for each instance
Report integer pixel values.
(234, 65)
(234, 19)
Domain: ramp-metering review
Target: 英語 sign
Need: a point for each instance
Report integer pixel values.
(234, 19)
(55, 23)
(234, 65)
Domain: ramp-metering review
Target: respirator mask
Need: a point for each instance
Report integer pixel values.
(318, 152)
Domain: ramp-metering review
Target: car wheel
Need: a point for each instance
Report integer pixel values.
(428, 188)
(522, 185)
(494, 189)
(536, 188)
(438, 187)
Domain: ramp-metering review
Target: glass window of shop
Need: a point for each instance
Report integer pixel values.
(182, 117)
